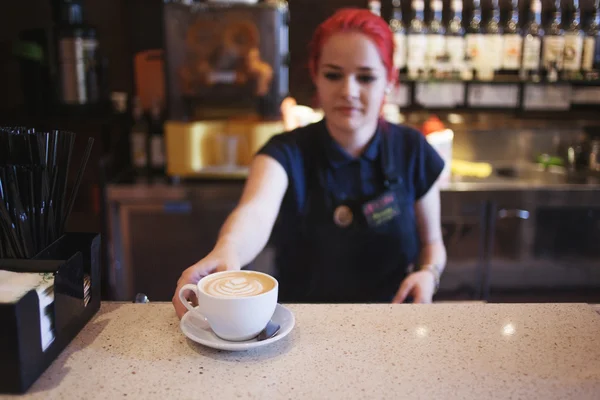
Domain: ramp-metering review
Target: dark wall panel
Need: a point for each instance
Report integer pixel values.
(127, 26)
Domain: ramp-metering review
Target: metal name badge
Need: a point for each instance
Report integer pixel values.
(342, 216)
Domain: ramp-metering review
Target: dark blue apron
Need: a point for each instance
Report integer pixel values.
(359, 263)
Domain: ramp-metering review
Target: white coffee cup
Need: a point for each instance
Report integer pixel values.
(232, 304)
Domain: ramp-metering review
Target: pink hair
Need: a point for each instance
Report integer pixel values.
(358, 20)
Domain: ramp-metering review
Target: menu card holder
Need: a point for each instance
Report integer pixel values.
(72, 258)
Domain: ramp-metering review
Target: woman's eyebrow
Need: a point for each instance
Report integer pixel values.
(337, 67)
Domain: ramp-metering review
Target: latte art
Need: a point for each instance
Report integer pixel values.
(236, 285)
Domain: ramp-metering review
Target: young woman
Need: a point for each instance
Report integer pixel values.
(350, 202)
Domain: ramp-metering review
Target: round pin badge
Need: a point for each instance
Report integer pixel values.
(342, 216)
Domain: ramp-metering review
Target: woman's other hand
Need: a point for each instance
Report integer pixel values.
(419, 285)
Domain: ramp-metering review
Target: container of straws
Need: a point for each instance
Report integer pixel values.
(49, 278)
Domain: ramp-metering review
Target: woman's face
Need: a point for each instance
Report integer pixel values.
(351, 81)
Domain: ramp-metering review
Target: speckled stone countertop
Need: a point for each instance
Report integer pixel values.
(440, 351)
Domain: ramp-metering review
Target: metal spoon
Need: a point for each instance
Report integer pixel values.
(270, 330)
(141, 298)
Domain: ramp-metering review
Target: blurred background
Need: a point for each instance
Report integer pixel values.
(178, 96)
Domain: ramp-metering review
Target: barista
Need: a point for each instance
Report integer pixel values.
(351, 202)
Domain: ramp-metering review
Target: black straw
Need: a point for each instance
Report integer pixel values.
(84, 161)
(34, 171)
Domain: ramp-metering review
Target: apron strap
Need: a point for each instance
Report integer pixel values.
(390, 171)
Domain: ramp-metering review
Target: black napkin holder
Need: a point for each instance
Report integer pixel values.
(71, 257)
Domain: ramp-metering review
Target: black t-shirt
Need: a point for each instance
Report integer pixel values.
(416, 160)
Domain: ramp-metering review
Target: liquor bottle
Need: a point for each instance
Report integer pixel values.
(436, 42)
(554, 46)
(474, 42)
(77, 55)
(417, 41)
(157, 140)
(455, 40)
(591, 46)
(513, 42)
(532, 44)
(492, 44)
(573, 45)
(375, 7)
(138, 139)
(399, 31)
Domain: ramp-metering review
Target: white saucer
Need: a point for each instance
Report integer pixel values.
(198, 330)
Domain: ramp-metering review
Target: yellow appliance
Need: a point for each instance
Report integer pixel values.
(196, 149)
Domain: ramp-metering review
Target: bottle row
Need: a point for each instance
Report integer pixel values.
(483, 50)
(147, 139)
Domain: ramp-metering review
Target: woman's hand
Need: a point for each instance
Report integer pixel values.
(218, 260)
(420, 285)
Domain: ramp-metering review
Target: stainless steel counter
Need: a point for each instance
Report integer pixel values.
(140, 188)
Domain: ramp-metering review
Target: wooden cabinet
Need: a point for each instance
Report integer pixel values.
(156, 231)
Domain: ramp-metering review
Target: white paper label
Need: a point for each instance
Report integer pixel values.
(589, 45)
(585, 95)
(436, 45)
(554, 48)
(500, 96)
(547, 97)
(573, 50)
(417, 49)
(72, 65)
(492, 50)
(400, 51)
(455, 46)
(511, 52)
(440, 95)
(531, 53)
(474, 43)
(158, 151)
(138, 149)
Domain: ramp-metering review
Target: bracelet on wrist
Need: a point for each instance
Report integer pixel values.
(435, 271)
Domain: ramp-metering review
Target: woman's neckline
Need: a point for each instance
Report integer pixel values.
(354, 150)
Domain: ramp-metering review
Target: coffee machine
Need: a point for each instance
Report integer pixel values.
(226, 68)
